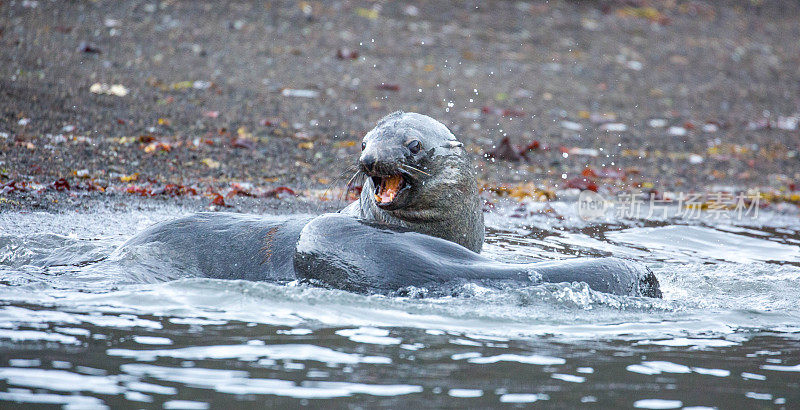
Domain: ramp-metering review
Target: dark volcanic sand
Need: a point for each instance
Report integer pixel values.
(206, 79)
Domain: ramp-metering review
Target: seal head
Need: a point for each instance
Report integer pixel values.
(419, 177)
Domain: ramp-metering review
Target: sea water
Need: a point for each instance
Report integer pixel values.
(726, 334)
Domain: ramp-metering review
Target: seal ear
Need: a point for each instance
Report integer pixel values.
(452, 144)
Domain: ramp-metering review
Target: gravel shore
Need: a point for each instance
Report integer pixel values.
(221, 101)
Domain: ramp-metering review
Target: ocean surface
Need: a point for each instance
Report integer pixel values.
(726, 334)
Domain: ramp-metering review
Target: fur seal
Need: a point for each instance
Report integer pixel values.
(417, 223)
(419, 177)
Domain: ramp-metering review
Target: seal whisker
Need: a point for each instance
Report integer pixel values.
(335, 182)
(358, 174)
(349, 181)
(414, 168)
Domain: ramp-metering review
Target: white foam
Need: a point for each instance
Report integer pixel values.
(151, 388)
(712, 372)
(465, 342)
(60, 380)
(778, 368)
(371, 389)
(753, 376)
(689, 342)
(687, 243)
(467, 355)
(657, 367)
(41, 398)
(238, 382)
(369, 335)
(522, 397)
(136, 396)
(74, 331)
(758, 396)
(657, 404)
(412, 346)
(24, 362)
(568, 377)
(641, 369)
(38, 336)
(196, 321)
(185, 405)
(152, 340)
(530, 359)
(465, 393)
(252, 353)
(118, 321)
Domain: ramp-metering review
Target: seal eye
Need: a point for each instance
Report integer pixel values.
(414, 146)
(363, 145)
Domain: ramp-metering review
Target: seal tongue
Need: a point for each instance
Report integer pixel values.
(388, 189)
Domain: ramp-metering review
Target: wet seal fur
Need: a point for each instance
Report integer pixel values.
(441, 198)
(417, 224)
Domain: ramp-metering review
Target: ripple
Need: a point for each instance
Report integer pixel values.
(660, 366)
(237, 382)
(758, 396)
(369, 335)
(151, 340)
(721, 286)
(60, 380)
(35, 335)
(657, 404)
(43, 398)
(151, 388)
(250, 352)
(522, 397)
(689, 342)
(531, 359)
(465, 393)
(712, 372)
(185, 405)
(778, 368)
(568, 377)
(753, 376)
(683, 243)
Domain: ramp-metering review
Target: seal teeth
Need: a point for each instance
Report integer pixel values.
(387, 188)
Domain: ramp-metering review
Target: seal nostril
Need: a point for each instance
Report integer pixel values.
(368, 162)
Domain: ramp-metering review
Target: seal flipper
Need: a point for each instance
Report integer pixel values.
(609, 275)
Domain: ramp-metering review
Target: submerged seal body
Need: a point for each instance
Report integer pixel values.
(417, 223)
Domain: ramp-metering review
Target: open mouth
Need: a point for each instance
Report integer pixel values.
(387, 188)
